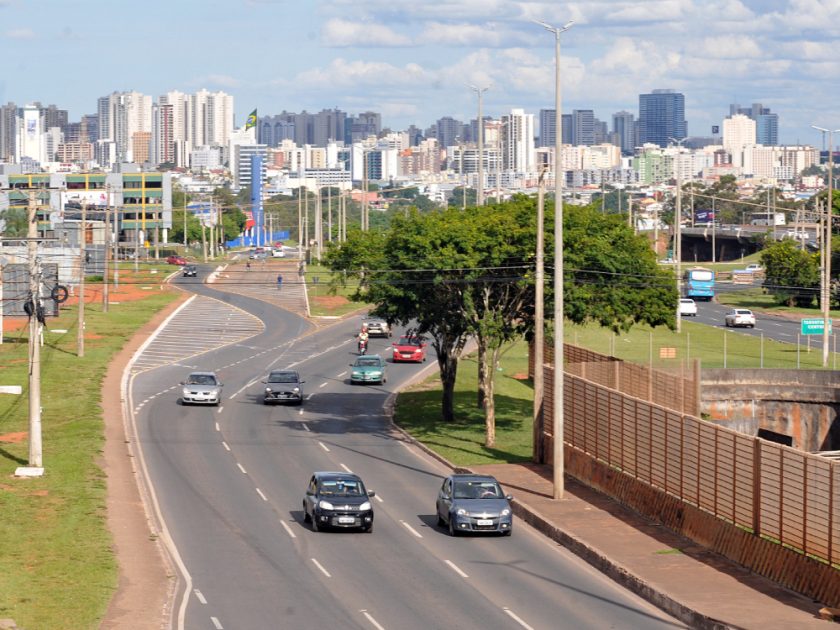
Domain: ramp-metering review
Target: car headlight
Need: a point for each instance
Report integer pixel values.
(364, 506)
(186, 392)
(376, 373)
(267, 390)
(505, 512)
(461, 512)
(325, 505)
(296, 390)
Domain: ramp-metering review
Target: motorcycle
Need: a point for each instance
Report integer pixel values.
(363, 344)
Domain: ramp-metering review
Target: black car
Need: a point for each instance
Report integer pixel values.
(474, 503)
(190, 271)
(338, 500)
(283, 386)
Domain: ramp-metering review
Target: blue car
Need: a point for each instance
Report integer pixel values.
(368, 368)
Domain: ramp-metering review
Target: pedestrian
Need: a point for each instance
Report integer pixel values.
(279, 281)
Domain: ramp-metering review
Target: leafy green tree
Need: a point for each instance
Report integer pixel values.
(16, 221)
(791, 275)
(456, 198)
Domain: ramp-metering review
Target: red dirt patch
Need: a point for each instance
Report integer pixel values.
(329, 301)
(520, 376)
(14, 438)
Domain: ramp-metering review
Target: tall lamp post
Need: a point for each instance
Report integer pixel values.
(559, 359)
(825, 289)
(480, 193)
(678, 229)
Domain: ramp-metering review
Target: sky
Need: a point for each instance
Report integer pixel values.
(411, 60)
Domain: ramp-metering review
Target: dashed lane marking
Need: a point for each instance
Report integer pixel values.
(412, 530)
(216, 623)
(199, 596)
(324, 446)
(260, 492)
(516, 618)
(373, 621)
(244, 472)
(321, 568)
(455, 568)
(288, 529)
(346, 468)
(225, 444)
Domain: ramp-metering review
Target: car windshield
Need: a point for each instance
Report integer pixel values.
(201, 379)
(367, 362)
(282, 377)
(477, 490)
(409, 341)
(341, 488)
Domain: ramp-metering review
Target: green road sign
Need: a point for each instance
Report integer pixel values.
(814, 326)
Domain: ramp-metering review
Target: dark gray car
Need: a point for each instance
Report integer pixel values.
(338, 500)
(474, 503)
(283, 386)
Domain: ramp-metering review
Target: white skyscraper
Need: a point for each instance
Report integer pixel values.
(518, 153)
(738, 133)
(121, 115)
(212, 119)
(30, 135)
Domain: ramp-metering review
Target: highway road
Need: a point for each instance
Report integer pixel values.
(228, 483)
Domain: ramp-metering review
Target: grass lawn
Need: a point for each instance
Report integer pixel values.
(325, 300)
(462, 441)
(57, 567)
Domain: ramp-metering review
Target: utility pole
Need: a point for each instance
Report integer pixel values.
(300, 222)
(35, 468)
(829, 211)
(204, 240)
(678, 229)
(480, 192)
(80, 339)
(364, 190)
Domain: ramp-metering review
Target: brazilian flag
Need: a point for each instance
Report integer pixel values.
(251, 121)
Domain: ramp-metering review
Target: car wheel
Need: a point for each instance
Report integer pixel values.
(314, 520)
(452, 531)
(306, 517)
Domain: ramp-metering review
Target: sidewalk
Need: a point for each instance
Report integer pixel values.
(697, 586)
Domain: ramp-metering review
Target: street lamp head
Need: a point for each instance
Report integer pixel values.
(554, 29)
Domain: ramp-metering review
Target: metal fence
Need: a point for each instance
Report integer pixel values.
(771, 490)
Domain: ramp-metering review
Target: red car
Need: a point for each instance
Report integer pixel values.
(176, 260)
(411, 349)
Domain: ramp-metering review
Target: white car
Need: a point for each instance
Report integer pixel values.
(755, 268)
(278, 253)
(688, 307)
(740, 317)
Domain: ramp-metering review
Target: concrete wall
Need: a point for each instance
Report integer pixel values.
(801, 403)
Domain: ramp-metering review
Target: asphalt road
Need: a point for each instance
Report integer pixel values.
(229, 482)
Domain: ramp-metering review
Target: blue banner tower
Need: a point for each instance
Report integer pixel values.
(258, 238)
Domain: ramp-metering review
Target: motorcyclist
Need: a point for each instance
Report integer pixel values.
(363, 339)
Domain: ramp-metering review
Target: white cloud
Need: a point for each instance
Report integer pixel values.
(20, 33)
(731, 47)
(364, 74)
(463, 34)
(341, 33)
(221, 80)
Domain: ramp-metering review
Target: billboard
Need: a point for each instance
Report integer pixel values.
(704, 216)
(84, 198)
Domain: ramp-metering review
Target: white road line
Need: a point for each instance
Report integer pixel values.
(199, 596)
(412, 530)
(303, 424)
(260, 492)
(217, 427)
(323, 570)
(322, 385)
(373, 621)
(378, 498)
(244, 472)
(344, 373)
(309, 397)
(455, 568)
(288, 529)
(220, 410)
(216, 623)
(225, 444)
(516, 618)
(300, 413)
(324, 446)
(346, 468)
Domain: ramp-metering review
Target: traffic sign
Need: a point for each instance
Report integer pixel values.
(814, 326)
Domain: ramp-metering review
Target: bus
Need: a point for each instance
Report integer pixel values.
(701, 283)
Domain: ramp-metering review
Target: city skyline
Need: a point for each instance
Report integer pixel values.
(410, 61)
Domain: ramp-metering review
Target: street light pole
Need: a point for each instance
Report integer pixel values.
(559, 358)
(825, 293)
(678, 230)
(480, 193)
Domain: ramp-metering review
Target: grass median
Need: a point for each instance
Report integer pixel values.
(57, 566)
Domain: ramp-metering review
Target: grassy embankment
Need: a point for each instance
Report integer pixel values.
(57, 568)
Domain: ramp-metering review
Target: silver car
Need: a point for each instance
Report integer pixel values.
(203, 388)
(377, 327)
(474, 503)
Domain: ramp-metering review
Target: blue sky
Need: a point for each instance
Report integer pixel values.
(410, 59)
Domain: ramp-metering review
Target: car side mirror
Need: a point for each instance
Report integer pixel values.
(309, 493)
(509, 497)
(371, 493)
(301, 382)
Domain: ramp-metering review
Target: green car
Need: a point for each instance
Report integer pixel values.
(368, 368)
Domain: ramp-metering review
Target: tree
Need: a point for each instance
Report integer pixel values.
(456, 199)
(16, 221)
(791, 275)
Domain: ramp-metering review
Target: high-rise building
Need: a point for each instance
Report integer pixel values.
(766, 122)
(121, 115)
(360, 127)
(518, 153)
(738, 133)
(583, 127)
(328, 126)
(662, 117)
(548, 127)
(30, 142)
(8, 132)
(624, 126)
(449, 131)
(212, 119)
(272, 130)
(566, 129)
